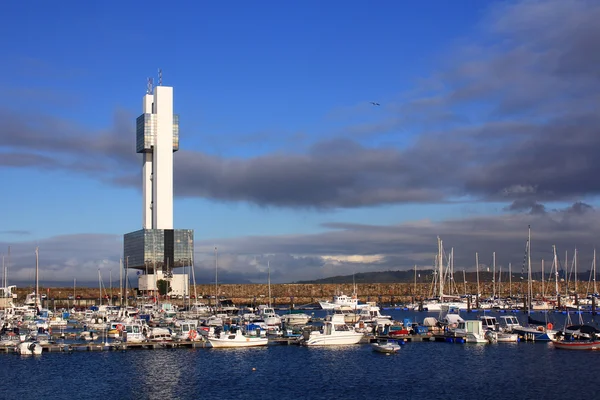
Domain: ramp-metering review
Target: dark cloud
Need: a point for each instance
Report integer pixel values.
(529, 205)
(511, 117)
(342, 249)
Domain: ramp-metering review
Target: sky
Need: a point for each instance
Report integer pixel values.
(486, 122)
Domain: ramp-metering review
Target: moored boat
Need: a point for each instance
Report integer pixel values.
(237, 339)
(577, 344)
(385, 346)
(334, 332)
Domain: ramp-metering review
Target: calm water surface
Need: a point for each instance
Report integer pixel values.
(426, 370)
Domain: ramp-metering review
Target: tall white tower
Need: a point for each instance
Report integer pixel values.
(157, 138)
(157, 248)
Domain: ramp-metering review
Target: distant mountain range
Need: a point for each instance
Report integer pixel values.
(423, 276)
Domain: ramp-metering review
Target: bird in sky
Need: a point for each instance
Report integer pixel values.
(375, 103)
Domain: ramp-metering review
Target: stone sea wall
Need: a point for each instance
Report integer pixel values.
(301, 294)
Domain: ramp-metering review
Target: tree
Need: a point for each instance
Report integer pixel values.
(164, 287)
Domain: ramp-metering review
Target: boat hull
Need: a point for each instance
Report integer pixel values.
(333, 340)
(385, 348)
(238, 341)
(577, 345)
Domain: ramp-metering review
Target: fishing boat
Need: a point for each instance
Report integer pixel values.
(29, 348)
(385, 346)
(334, 332)
(236, 339)
(576, 344)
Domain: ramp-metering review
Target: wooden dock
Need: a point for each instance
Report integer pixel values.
(121, 346)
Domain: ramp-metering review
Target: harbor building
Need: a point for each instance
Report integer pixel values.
(158, 248)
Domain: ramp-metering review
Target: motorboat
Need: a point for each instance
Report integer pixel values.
(576, 344)
(296, 318)
(187, 330)
(342, 300)
(334, 332)
(29, 348)
(133, 333)
(159, 335)
(472, 330)
(385, 346)
(493, 333)
(537, 331)
(236, 339)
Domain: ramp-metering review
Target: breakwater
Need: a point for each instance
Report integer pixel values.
(300, 294)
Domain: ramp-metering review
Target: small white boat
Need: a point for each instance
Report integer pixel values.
(29, 348)
(385, 346)
(237, 339)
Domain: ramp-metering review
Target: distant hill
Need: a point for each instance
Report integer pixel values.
(424, 276)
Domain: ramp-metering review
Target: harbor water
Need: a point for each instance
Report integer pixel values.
(424, 370)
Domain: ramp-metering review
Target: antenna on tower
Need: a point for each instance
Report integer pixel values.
(149, 86)
(159, 77)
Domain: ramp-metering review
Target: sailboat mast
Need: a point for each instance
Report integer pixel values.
(6, 269)
(555, 271)
(566, 273)
(126, 279)
(477, 271)
(441, 268)
(216, 278)
(269, 280)
(494, 274)
(510, 279)
(415, 285)
(594, 277)
(99, 287)
(575, 267)
(530, 284)
(543, 288)
(37, 288)
(465, 281)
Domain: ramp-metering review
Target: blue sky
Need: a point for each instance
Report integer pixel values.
(279, 140)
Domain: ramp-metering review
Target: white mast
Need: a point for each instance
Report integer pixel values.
(510, 279)
(555, 271)
(543, 289)
(37, 289)
(494, 274)
(530, 284)
(99, 287)
(269, 280)
(120, 282)
(477, 270)
(594, 277)
(441, 268)
(415, 286)
(216, 278)
(575, 267)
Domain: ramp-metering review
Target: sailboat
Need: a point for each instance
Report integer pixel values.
(536, 331)
(435, 305)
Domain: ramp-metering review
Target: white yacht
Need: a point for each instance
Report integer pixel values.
(472, 330)
(236, 339)
(29, 348)
(334, 332)
(342, 300)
